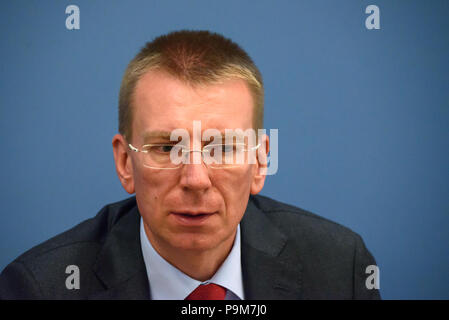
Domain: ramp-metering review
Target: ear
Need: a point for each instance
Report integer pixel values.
(261, 166)
(123, 163)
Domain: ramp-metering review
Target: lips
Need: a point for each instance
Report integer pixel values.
(190, 218)
(192, 213)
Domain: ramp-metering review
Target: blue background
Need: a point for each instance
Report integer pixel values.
(363, 117)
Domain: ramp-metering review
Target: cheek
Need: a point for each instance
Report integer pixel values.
(235, 188)
(150, 188)
(240, 179)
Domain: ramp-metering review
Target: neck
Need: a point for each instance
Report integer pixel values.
(200, 265)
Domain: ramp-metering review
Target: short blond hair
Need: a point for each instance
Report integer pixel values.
(196, 57)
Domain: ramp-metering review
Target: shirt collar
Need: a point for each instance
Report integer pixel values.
(169, 283)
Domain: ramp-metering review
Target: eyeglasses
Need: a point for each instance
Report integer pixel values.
(216, 156)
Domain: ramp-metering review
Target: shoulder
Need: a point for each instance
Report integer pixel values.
(296, 222)
(42, 269)
(322, 244)
(333, 258)
(89, 233)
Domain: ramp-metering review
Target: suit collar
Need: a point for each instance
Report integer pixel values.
(120, 266)
(270, 270)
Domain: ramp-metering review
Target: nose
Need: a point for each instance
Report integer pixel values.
(195, 175)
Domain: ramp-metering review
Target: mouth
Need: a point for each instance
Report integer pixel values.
(192, 218)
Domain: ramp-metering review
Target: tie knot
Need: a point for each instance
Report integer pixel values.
(209, 291)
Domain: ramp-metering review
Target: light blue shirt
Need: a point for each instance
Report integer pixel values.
(169, 283)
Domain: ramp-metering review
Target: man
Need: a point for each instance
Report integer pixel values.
(196, 228)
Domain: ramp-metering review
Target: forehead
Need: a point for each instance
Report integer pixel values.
(164, 103)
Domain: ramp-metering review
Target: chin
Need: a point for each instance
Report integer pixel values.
(196, 242)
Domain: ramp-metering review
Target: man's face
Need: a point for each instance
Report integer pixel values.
(192, 207)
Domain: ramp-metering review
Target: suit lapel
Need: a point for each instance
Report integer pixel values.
(270, 270)
(120, 265)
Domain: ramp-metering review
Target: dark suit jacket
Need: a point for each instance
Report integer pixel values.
(287, 253)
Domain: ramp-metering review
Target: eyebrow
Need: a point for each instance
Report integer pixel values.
(148, 135)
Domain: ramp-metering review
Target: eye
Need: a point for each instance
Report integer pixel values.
(227, 148)
(165, 148)
(223, 148)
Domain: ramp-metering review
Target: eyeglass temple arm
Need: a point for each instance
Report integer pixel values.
(132, 147)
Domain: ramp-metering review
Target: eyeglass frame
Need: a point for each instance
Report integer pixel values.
(132, 148)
